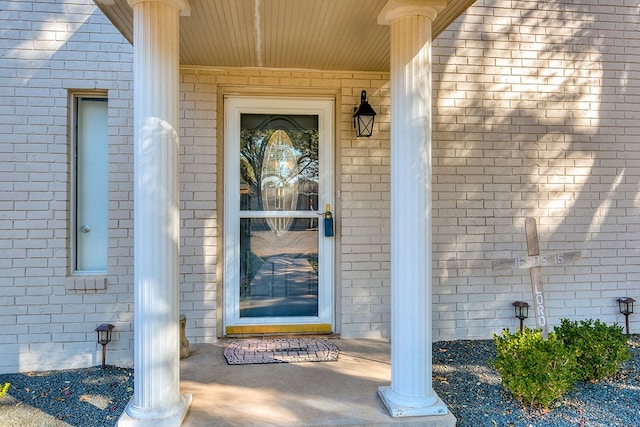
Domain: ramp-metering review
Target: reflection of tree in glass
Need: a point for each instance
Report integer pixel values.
(253, 144)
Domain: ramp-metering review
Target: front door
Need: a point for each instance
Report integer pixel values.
(278, 241)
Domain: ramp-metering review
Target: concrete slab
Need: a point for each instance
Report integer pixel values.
(340, 393)
(14, 413)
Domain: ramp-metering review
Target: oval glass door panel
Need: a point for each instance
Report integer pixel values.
(279, 182)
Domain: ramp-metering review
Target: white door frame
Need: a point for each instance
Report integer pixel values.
(234, 107)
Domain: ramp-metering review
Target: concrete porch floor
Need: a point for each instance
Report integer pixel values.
(341, 393)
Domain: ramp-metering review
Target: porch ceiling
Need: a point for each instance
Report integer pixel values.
(335, 35)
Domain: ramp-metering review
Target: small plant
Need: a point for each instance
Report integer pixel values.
(599, 349)
(4, 389)
(536, 371)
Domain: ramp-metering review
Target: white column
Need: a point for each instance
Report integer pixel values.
(410, 392)
(157, 400)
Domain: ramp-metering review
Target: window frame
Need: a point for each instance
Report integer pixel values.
(74, 102)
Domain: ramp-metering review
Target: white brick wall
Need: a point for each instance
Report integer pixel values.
(198, 204)
(47, 317)
(536, 115)
(364, 175)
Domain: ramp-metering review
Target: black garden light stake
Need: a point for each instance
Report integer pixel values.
(104, 338)
(626, 307)
(522, 311)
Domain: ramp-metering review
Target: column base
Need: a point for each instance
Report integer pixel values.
(152, 418)
(434, 408)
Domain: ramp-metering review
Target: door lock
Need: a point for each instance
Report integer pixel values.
(328, 221)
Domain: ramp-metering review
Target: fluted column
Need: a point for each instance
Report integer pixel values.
(411, 392)
(157, 400)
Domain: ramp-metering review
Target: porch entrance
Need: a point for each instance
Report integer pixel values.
(278, 182)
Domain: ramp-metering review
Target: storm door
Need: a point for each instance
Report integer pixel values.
(278, 186)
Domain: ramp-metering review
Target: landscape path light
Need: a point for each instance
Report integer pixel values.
(522, 311)
(626, 307)
(104, 338)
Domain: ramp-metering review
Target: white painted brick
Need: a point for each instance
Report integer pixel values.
(604, 266)
(516, 135)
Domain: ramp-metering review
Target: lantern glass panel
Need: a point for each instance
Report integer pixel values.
(364, 125)
(521, 309)
(104, 333)
(626, 305)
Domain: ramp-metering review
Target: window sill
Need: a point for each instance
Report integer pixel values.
(88, 282)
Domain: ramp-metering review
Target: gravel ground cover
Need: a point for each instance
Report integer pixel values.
(462, 377)
(473, 392)
(87, 397)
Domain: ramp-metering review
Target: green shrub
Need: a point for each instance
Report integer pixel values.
(4, 389)
(599, 349)
(536, 371)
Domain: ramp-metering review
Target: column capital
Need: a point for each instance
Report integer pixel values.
(182, 5)
(395, 9)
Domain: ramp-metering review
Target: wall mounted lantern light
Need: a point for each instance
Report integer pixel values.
(363, 116)
(104, 338)
(522, 311)
(626, 307)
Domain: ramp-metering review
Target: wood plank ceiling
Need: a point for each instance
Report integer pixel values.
(340, 35)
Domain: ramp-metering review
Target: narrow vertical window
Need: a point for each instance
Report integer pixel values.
(90, 201)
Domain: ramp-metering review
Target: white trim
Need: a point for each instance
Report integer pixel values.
(234, 106)
(277, 214)
(75, 99)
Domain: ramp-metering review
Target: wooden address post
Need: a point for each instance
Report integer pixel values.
(534, 262)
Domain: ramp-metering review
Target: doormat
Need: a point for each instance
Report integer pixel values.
(280, 350)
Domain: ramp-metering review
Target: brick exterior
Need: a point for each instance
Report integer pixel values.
(536, 112)
(48, 317)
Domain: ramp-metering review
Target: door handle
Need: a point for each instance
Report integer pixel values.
(328, 221)
(85, 228)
